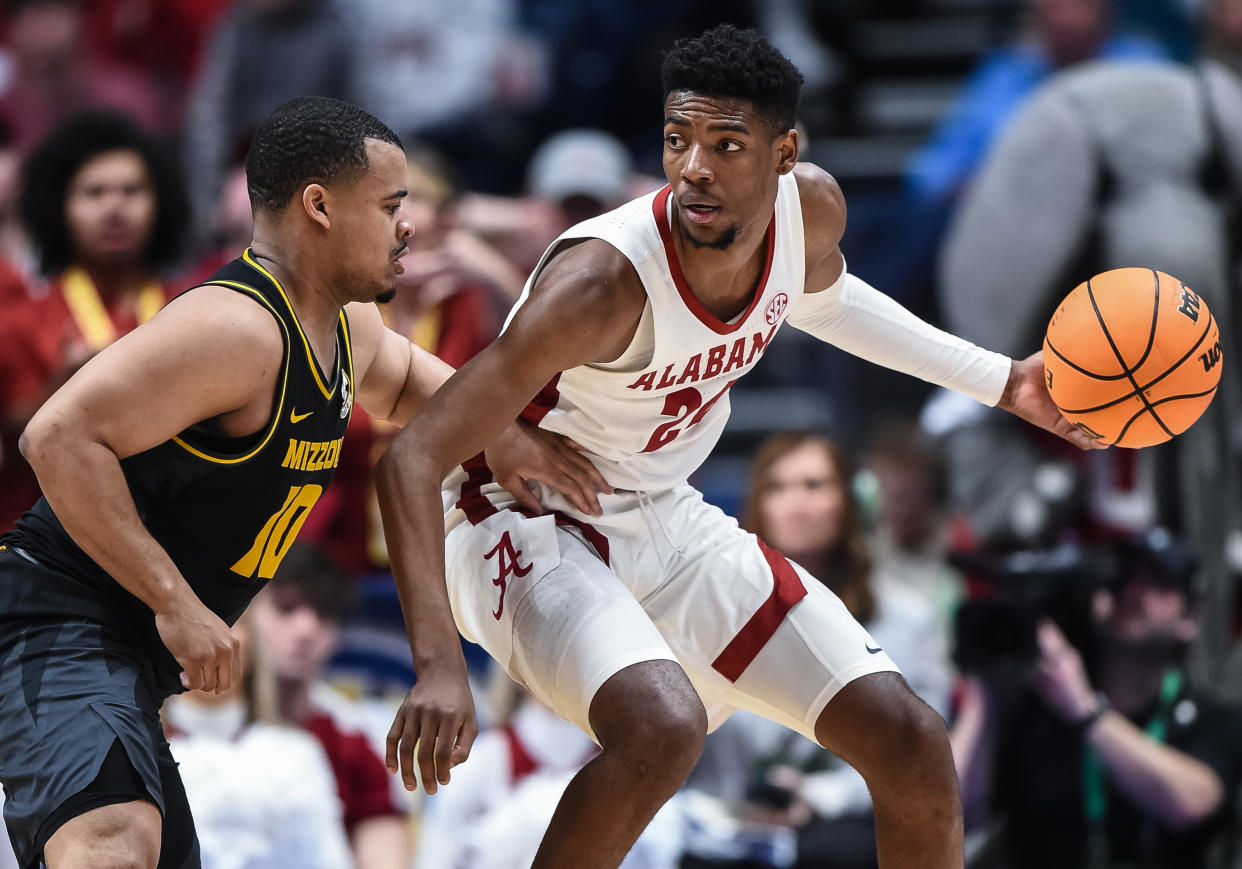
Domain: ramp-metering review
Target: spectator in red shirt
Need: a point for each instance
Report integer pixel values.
(298, 621)
(56, 74)
(105, 211)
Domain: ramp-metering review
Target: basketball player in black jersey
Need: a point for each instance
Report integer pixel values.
(178, 466)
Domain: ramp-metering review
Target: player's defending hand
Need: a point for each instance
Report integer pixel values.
(437, 717)
(524, 452)
(1027, 396)
(208, 652)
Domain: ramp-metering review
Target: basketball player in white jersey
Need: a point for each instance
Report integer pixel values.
(649, 623)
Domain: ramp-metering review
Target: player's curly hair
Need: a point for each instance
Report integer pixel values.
(309, 140)
(51, 166)
(727, 62)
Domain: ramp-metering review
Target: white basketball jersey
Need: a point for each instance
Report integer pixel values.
(650, 418)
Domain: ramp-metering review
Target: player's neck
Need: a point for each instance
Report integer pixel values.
(309, 288)
(724, 280)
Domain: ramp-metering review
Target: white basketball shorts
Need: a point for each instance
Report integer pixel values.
(564, 601)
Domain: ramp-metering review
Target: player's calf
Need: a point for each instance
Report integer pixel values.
(900, 745)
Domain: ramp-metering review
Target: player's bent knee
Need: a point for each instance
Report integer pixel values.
(650, 716)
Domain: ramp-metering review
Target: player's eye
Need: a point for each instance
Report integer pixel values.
(673, 140)
(730, 145)
(392, 209)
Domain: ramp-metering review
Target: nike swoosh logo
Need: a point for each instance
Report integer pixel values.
(873, 651)
(294, 416)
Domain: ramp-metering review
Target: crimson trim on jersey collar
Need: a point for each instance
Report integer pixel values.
(706, 317)
(787, 590)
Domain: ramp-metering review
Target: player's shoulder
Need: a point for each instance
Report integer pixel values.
(221, 322)
(590, 271)
(820, 193)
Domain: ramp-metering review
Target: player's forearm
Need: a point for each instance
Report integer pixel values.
(426, 373)
(1176, 787)
(408, 485)
(863, 321)
(83, 482)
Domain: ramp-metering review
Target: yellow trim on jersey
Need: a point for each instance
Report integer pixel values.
(349, 350)
(310, 354)
(280, 406)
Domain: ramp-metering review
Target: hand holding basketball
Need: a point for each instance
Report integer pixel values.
(1026, 396)
(1132, 357)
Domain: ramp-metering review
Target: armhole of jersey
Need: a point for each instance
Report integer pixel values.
(183, 440)
(349, 360)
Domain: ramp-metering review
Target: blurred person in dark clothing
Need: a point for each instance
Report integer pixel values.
(105, 210)
(262, 53)
(298, 619)
(1062, 33)
(1117, 759)
(57, 74)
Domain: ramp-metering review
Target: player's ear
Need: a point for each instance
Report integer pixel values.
(314, 202)
(786, 151)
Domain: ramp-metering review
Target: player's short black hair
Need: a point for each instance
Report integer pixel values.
(309, 140)
(51, 166)
(327, 588)
(727, 62)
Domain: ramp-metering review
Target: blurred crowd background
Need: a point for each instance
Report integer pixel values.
(994, 153)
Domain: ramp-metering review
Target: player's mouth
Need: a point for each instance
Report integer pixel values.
(397, 265)
(701, 212)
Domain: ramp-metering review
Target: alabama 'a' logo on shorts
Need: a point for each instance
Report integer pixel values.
(508, 563)
(776, 309)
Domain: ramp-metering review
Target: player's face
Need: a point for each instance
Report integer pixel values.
(298, 639)
(723, 164)
(110, 209)
(802, 502)
(374, 226)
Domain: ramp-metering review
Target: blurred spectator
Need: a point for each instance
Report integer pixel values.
(105, 211)
(573, 176)
(1084, 181)
(158, 38)
(909, 542)
(1142, 772)
(260, 790)
(801, 502)
(440, 70)
(56, 74)
(1062, 33)
(262, 53)
(297, 618)
(231, 226)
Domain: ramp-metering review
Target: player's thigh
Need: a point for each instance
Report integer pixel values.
(114, 836)
(548, 608)
(790, 656)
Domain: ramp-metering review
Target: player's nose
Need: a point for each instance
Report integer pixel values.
(696, 168)
(405, 229)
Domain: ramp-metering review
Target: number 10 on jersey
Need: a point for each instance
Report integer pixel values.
(278, 533)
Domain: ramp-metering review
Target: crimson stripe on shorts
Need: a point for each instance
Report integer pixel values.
(595, 537)
(547, 398)
(787, 590)
(472, 502)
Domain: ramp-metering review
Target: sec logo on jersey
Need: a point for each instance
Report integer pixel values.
(776, 308)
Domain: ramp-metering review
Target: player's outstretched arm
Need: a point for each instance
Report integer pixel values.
(206, 355)
(584, 308)
(395, 379)
(843, 310)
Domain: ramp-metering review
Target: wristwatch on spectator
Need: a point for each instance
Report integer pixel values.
(1100, 705)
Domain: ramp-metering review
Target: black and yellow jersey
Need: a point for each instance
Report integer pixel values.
(225, 509)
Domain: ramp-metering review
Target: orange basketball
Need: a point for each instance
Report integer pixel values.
(1132, 357)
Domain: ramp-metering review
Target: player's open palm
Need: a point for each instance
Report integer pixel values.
(208, 652)
(436, 721)
(1027, 396)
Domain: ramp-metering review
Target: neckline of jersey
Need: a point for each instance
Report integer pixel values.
(321, 378)
(659, 207)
